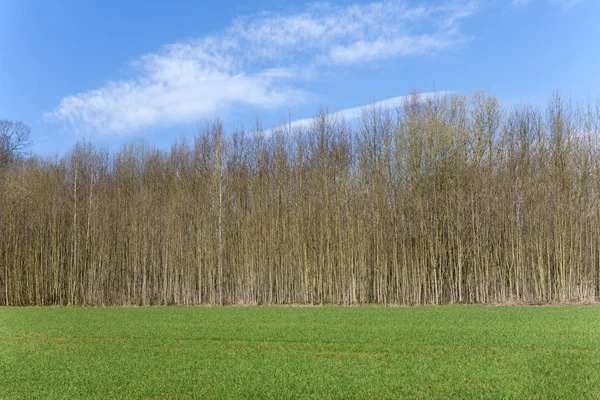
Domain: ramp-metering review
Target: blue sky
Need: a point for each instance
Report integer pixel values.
(116, 71)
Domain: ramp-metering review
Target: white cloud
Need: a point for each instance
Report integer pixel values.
(188, 93)
(355, 113)
(257, 62)
(362, 51)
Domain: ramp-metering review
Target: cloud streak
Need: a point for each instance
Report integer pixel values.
(354, 114)
(255, 62)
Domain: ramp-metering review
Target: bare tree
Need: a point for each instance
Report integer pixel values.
(14, 138)
(454, 200)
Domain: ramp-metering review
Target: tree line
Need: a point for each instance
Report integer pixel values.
(455, 199)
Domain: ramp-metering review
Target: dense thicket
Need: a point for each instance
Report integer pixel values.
(451, 200)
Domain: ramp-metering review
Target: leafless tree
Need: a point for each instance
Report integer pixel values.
(453, 200)
(14, 138)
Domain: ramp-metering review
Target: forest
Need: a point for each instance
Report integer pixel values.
(455, 199)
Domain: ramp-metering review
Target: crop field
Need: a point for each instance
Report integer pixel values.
(300, 352)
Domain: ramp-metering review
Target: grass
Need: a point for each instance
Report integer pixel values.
(318, 352)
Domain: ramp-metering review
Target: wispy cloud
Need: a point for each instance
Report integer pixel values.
(354, 114)
(255, 62)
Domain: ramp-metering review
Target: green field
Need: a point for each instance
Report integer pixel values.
(312, 352)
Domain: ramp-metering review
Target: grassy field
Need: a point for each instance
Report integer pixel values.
(318, 352)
